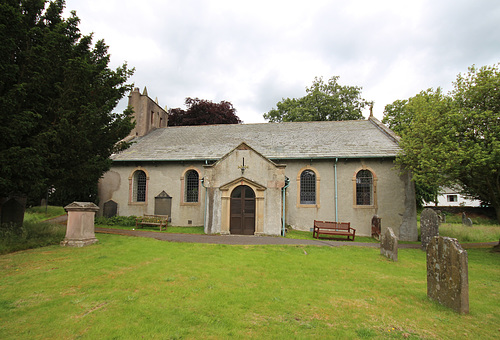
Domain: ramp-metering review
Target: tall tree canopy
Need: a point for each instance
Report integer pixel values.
(203, 112)
(57, 93)
(455, 139)
(323, 101)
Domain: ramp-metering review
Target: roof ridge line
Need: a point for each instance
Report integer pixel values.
(384, 129)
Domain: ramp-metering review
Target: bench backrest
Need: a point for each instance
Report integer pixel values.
(333, 225)
(154, 218)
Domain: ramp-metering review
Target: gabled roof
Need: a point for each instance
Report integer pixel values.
(244, 146)
(276, 141)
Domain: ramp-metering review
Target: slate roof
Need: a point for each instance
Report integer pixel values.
(276, 141)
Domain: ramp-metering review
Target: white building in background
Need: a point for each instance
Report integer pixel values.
(450, 197)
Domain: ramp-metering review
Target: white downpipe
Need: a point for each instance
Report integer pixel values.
(336, 192)
(287, 183)
(205, 210)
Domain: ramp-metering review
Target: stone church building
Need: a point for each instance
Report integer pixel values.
(254, 179)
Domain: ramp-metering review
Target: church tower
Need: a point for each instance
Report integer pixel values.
(148, 114)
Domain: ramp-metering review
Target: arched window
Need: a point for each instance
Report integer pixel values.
(307, 187)
(191, 182)
(364, 187)
(139, 182)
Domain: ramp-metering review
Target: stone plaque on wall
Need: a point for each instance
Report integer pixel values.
(163, 204)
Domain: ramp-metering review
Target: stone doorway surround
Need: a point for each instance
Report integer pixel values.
(244, 166)
(226, 191)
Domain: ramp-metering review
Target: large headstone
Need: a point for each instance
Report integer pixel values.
(389, 244)
(448, 274)
(429, 226)
(80, 229)
(110, 209)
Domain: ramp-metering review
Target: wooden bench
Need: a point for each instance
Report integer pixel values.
(330, 229)
(152, 220)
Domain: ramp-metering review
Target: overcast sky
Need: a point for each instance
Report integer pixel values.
(254, 53)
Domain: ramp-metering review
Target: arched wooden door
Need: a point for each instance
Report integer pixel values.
(242, 211)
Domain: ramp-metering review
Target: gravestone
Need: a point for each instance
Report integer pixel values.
(448, 274)
(441, 216)
(429, 226)
(389, 244)
(376, 226)
(80, 228)
(12, 210)
(466, 221)
(110, 209)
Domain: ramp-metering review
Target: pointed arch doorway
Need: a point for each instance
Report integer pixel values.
(242, 211)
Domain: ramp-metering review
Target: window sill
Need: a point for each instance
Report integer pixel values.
(364, 206)
(190, 204)
(307, 205)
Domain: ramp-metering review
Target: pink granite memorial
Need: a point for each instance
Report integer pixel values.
(80, 228)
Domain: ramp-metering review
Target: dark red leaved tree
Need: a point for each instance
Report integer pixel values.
(203, 112)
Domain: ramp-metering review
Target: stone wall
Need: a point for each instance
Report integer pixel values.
(394, 203)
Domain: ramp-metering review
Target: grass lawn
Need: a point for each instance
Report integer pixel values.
(130, 288)
(477, 233)
(42, 213)
(170, 229)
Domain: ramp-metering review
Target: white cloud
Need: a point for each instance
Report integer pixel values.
(255, 53)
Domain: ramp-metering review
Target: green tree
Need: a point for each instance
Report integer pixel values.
(454, 140)
(398, 116)
(323, 101)
(57, 93)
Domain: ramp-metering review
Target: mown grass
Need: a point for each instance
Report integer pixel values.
(130, 288)
(42, 213)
